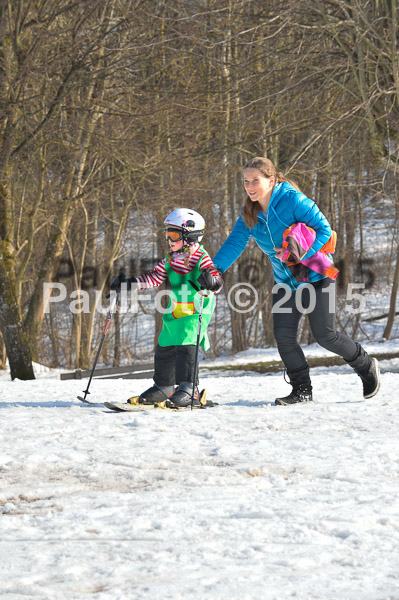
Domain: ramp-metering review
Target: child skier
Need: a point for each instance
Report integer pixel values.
(186, 262)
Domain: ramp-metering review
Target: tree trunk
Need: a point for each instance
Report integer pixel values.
(3, 354)
(18, 351)
(392, 304)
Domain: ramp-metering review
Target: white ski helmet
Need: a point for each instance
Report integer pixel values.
(191, 222)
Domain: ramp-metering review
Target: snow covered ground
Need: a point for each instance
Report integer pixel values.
(243, 501)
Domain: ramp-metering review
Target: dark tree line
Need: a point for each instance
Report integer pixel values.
(114, 112)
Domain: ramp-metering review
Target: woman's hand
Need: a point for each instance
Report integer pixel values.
(279, 252)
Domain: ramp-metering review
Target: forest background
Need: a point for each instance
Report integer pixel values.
(114, 112)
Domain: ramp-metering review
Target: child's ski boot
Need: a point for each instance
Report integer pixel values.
(183, 393)
(155, 394)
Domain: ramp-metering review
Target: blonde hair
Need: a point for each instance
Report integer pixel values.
(267, 168)
(187, 250)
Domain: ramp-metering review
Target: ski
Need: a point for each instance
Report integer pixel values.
(126, 407)
(133, 405)
(161, 406)
(90, 403)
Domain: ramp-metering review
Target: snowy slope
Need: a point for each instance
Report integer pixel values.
(243, 501)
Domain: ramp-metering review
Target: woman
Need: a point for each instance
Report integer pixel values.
(272, 205)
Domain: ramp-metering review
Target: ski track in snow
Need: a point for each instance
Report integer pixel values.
(243, 501)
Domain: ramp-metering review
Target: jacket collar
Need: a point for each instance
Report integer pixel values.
(276, 192)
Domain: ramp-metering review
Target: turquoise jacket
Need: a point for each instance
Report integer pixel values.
(286, 206)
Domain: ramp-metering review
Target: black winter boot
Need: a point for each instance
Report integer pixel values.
(156, 393)
(301, 388)
(368, 370)
(182, 395)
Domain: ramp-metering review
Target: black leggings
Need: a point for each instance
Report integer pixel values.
(174, 364)
(321, 319)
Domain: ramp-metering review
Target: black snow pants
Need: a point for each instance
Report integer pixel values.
(319, 298)
(174, 364)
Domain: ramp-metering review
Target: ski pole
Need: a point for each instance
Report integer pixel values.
(108, 321)
(197, 289)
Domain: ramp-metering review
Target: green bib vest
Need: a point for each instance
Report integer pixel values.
(180, 320)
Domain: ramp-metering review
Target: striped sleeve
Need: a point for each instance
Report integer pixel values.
(153, 278)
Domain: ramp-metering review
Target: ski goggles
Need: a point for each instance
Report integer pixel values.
(173, 235)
